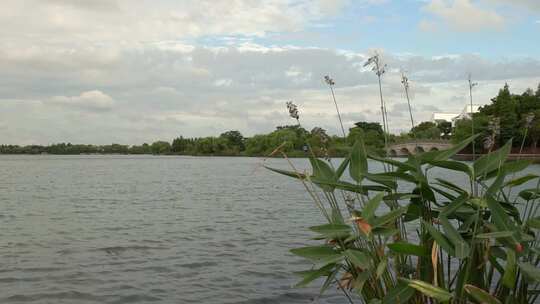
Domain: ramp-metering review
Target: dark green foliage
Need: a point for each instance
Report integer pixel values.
(512, 111)
(426, 130)
(445, 127)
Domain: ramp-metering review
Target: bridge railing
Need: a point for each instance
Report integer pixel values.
(420, 141)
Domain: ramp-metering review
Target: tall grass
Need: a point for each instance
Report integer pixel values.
(410, 236)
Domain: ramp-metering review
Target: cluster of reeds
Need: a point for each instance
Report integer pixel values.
(406, 235)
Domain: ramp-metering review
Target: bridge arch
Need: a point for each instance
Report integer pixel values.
(404, 151)
(408, 148)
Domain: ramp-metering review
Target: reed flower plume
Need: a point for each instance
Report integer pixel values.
(528, 120)
(494, 127)
(330, 82)
(489, 143)
(380, 69)
(293, 110)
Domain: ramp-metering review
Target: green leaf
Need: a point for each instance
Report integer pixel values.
(352, 187)
(461, 248)
(454, 205)
(530, 194)
(453, 165)
(440, 239)
(534, 222)
(383, 179)
(509, 166)
(414, 211)
(399, 294)
(388, 217)
(358, 258)
(384, 232)
(322, 172)
(341, 168)
(509, 277)
(430, 290)
(361, 280)
(393, 176)
(359, 165)
(402, 166)
(446, 154)
(479, 202)
(333, 231)
(480, 295)
(426, 192)
(532, 272)
(495, 235)
(381, 268)
(450, 185)
(499, 217)
(311, 275)
(315, 252)
(371, 206)
(287, 173)
(520, 180)
(444, 193)
(491, 161)
(329, 279)
(399, 196)
(409, 249)
(495, 187)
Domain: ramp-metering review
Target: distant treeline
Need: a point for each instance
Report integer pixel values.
(507, 116)
(293, 139)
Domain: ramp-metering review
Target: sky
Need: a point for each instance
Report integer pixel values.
(129, 72)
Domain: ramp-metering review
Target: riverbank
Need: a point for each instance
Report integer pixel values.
(535, 158)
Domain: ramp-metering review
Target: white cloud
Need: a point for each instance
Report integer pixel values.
(198, 91)
(525, 4)
(91, 101)
(223, 82)
(76, 22)
(297, 75)
(464, 15)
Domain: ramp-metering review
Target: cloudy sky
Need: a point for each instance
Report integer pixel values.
(102, 71)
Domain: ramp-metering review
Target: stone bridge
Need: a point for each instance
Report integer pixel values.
(407, 148)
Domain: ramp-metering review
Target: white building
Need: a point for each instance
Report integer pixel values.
(440, 117)
(466, 112)
(454, 117)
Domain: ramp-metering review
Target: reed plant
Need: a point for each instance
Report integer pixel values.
(406, 235)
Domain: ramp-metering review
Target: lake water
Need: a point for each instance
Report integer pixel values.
(142, 229)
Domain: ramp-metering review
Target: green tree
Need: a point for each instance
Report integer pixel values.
(463, 129)
(426, 130)
(534, 129)
(257, 145)
(370, 126)
(160, 147)
(370, 132)
(504, 107)
(445, 128)
(179, 145)
(234, 140)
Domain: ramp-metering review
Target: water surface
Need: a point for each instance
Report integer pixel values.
(142, 229)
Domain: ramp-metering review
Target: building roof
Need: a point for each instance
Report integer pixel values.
(467, 109)
(443, 116)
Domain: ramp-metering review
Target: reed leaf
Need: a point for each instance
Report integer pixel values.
(481, 295)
